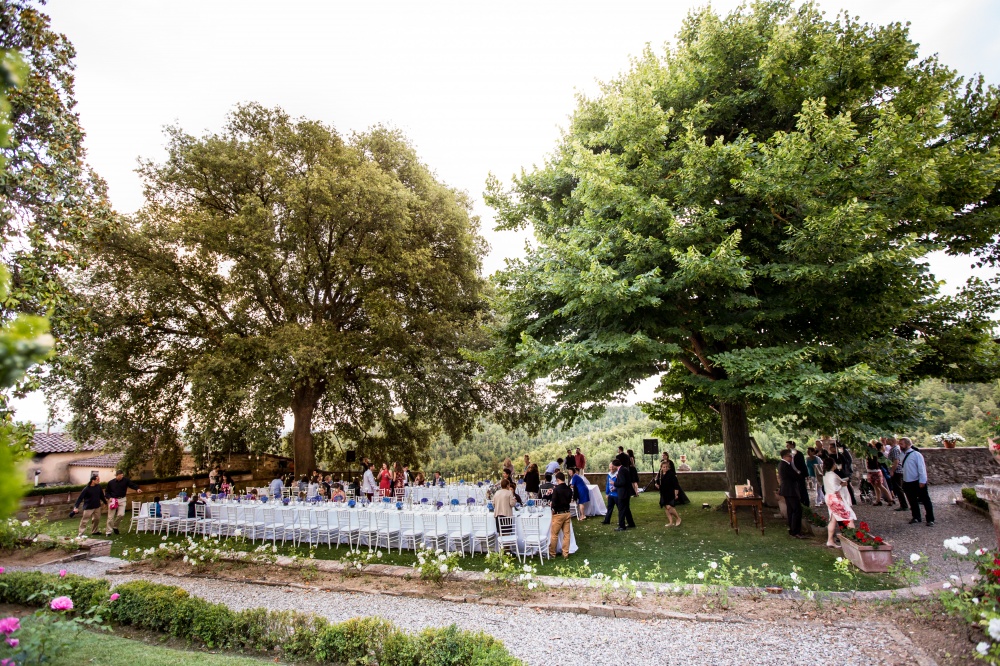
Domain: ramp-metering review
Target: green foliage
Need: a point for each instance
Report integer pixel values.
(746, 216)
(300, 637)
(16, 533)
(970, 496)
(436, 566)
(278, 266)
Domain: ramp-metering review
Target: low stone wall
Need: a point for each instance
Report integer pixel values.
(965, 464)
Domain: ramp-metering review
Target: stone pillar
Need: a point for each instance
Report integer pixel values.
(989, 491)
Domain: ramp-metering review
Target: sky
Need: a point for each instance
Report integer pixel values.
(478, 87)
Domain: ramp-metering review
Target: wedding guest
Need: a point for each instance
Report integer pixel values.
(814, 464)
(92, 497)
(531, 480)
(873, 467)
(312, 490)
(799, 464)
(337, 493)
(438, 480)
(837, 501)
(193, 503)
(788, 487)
(634, 472)
(398, 477)
(581, 461)
(419, 479)
(554, 466)
(527, 463)
(611, 491)
(503, 502)
(115, 493)
(915, 481)
(670, 490)
(626, 488)
(406, 475)
(368, 485)
(384, 481)
(570, 462)
(545, 489)
(844, 469)
(580, 491)
(561, 497)
(896, 472)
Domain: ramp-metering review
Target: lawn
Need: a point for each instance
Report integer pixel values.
(111, 650)
(704, 536)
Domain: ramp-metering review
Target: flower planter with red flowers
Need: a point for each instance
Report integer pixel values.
(866, 551)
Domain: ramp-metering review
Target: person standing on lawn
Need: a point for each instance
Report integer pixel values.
(670, 490)
(626, 489)
(561, 497)
(92, 497)
(915, 481)
(612, 492)
(115, 494)
(580, 491)
(788, 488)
(799, 463)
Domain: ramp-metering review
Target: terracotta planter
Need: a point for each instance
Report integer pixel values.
(867, 558)
(949, 443)
(818, 531)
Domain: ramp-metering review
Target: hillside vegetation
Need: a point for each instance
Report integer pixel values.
(960, 408)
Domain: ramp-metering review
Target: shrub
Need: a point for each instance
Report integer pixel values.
(21, 588)
(356, 642)
(970, 496)
(147, 605)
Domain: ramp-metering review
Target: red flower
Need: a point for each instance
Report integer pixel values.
(879, 540)
(859, 535)
(864, 526)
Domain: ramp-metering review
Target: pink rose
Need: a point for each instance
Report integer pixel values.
(8, 662)
(1, 570)
(62, 573)
(13, 642)
(9, 625)
(61, 604)
(114, 597)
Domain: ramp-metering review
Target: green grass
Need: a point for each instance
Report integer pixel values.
(704, 536)
(111, 650)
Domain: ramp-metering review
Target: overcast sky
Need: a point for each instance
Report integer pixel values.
(478, 87)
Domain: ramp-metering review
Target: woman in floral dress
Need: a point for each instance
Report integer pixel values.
(838, 501)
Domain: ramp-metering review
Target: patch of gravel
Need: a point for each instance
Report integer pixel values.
(949, 521)
(548, 638)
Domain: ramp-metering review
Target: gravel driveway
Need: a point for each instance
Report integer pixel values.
(549, 638)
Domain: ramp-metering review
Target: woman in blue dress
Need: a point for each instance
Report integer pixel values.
(580, 491)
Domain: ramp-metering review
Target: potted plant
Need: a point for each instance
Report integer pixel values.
(948, 439)
(866, 551)
(817, 523)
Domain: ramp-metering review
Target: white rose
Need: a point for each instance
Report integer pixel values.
(983, 647)
(914, 558)
(701, 575)
(994, 629)
(443, 568)
(714, 565)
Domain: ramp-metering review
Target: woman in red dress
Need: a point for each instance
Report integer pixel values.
(384, 481)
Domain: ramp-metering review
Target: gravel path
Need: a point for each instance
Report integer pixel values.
(949, 521)
(555, 638)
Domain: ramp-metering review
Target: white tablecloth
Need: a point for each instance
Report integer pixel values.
(595, 507)
(248, 512)
(448, 493)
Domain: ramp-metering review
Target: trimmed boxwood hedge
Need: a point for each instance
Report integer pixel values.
(970, 496)
(298, 637)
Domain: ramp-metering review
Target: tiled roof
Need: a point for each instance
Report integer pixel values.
(60, 442)
(109, 460)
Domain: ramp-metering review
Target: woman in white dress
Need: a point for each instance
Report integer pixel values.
(837, 499)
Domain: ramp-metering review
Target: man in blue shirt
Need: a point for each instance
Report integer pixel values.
(609, 488)
(553, 466)
(276, 487)
(915, 481)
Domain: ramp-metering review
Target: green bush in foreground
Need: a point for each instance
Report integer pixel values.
(300, 637)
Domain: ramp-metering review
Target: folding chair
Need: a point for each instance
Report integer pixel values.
(482, 534)
(507, 538)
(324, 529)
(344, 528)
(134, 520)
(408, 531)
(384, 532)
(457, 533)
(533, 537)
(433, 534)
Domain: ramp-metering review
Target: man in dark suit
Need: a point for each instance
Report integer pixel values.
(788, 487)
(799, 463)
(625, 488)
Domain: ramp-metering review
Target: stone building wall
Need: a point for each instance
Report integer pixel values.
(966, 464)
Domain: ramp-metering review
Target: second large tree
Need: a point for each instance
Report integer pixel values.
(746, 217)
(278, 267)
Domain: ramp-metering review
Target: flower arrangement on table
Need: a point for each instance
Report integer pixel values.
(424, 500)
(351, 503)
(531, 502)
(454, 501)
(439, 504)
(862, 535)
(470, 501)
(399, 506)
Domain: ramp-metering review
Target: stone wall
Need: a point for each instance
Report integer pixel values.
(965, 464)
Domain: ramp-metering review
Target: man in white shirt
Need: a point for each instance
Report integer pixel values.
(553, 466)
(368, 485)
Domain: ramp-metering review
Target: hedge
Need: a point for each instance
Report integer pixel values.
(970, 496)
(298, 637)
(55, 490)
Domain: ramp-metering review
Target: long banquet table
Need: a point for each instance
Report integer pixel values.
(305, 514)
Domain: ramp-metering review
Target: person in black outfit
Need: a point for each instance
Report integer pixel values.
(545, 489)
(562, 495)
(626, 489)
(92, 497)
(788, 487)
(531, 480)
(670, 490)
(844, 463)
(193, 502)
(116, 490)
(570, 462)
(799, 463)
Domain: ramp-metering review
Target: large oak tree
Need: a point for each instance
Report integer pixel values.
(747, 216)
(279, 267)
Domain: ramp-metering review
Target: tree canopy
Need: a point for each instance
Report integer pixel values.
(279, 267)
(746, 215)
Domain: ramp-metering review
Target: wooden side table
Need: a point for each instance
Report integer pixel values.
(755, 503)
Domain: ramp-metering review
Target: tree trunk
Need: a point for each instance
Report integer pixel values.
(739, 456)
(303, 404)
